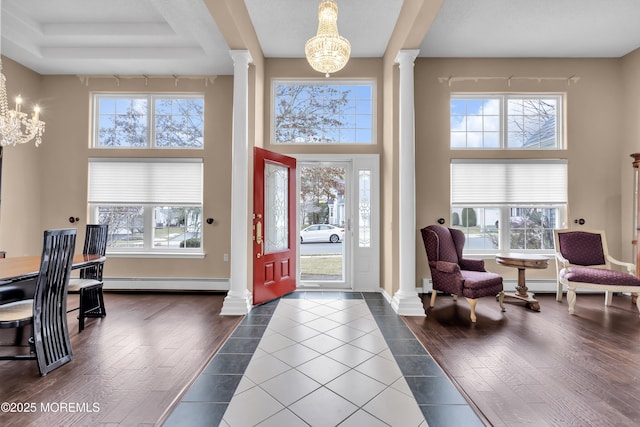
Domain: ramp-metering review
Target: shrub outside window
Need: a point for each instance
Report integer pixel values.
(148, 121)
(319, 112)
(508, 121)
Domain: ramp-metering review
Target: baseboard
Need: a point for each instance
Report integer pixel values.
(165, 284)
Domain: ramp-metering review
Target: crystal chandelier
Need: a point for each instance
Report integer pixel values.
(17, 127)
(327, 51)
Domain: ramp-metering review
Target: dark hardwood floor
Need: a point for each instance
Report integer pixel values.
(544, 368)
(128, 368)
(520, 368)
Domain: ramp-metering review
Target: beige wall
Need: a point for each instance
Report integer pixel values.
(42, 187)
(594, 131)
(57, 171)
(630, 143)
(21, 197)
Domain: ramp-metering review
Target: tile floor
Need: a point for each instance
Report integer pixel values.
(323, 359)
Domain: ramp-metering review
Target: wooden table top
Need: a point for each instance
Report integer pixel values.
(27, 267)
(522, 260)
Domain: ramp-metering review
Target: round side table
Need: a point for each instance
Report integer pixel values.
(522, 261)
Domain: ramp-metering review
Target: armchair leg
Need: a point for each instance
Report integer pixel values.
(472, 306)
(559, 291)
(433, 298)
(608, 298)
(501, 301)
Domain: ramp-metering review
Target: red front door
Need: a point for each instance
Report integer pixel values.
(274, 239)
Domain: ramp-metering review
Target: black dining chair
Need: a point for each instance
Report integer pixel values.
(47, 311)
(89, 286)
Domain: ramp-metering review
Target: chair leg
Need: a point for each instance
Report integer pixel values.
(81, 311)
(433, 298)
(501, 301)
(472, 306)
(559, 291)
(608, 298)
(637, 302)
(571, 298)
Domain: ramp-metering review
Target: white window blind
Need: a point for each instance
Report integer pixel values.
(508, 182)
(168, 182)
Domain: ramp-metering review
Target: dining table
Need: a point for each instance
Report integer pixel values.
(18, 274)
(20, 268)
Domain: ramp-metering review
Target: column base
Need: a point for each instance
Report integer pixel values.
(236, 305)
(408, 304)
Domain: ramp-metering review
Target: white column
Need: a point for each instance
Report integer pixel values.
(238, 300)
(406, 301)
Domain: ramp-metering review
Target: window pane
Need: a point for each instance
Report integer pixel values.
(532, 228)
(126, 226)
(276, 196)
(177, 227)
(532, 123)
(364, 208)
(179, 123)
(122, 122)
(479, 226)
(317, 112)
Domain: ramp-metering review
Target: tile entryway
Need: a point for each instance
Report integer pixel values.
(323, 359)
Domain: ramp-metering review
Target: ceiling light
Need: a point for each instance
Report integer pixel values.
(327, 51)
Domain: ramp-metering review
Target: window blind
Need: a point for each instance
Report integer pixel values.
(168, 182)
(508, 182)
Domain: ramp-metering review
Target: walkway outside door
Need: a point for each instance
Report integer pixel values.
(274, 225)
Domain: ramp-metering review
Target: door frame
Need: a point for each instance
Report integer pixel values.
(363, 270)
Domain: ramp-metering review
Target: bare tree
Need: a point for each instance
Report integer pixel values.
(309, 113)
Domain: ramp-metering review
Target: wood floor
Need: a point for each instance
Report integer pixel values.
(520, 368)
(128, 368)
(544, 368)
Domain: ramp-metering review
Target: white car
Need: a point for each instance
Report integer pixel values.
(322, 233)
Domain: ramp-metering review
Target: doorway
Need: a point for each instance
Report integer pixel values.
(324, 223)
(338, 222)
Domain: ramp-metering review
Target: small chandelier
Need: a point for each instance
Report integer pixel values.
(327, 51)
(15, 126)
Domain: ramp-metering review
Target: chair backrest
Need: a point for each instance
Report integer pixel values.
(442, 243)
(50, 333)
(95, 243)
(583, 247)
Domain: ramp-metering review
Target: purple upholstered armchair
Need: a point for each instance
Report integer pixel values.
(455, 275)
(583, 261)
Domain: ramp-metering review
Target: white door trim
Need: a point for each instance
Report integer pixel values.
(364, 267)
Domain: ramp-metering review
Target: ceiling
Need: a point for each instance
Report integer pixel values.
(193, 37)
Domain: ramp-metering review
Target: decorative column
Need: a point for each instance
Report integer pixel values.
(238, 300)
(406, 301)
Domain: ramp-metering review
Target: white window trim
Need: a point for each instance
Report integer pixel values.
(560, 118)
(107, 197)
(150, 97)
(506, 205)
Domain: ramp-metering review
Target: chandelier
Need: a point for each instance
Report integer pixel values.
(17, 127)
(327, 51)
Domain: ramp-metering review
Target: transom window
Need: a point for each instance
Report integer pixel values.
(323, 112)
(148, 121)
(507, 121)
